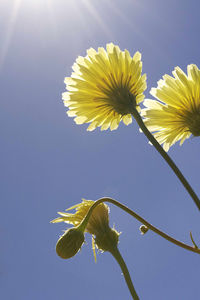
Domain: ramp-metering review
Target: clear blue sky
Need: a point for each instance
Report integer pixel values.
(49, 163)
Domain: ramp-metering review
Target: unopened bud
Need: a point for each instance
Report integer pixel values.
(70, 243)
(107, 240)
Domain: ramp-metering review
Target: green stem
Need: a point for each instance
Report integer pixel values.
(167, 158)
(117, 255)
(83, 224)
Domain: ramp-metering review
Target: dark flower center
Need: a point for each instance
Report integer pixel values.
(193, 121)
(122, 100)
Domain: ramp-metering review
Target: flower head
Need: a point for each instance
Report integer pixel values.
(105, 87)
(177, 116)
(98, 221)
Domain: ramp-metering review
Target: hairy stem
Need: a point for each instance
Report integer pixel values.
(166, 157)
(117, 255)
(83, 224)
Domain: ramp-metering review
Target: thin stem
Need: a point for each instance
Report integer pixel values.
(167, 158)
(83, 224)
(117, 255)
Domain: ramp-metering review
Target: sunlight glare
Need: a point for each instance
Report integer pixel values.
(94, 13)
(10, 30)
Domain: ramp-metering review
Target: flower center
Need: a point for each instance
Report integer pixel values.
(122, 100)
(117, 90)
(193, 121)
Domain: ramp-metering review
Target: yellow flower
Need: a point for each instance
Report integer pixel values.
(105, 87)
(177, 116)
(97, 222)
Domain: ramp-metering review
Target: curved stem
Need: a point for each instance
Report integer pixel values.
(167, 158)
(117, 255)
(83, 224)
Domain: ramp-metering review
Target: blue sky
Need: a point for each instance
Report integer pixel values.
(49, 163)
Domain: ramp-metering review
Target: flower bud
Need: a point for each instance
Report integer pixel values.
(70, 243)
(108, 240)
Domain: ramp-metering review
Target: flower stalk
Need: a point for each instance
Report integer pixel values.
(117, 255)
(166, 157)
(83, 224)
